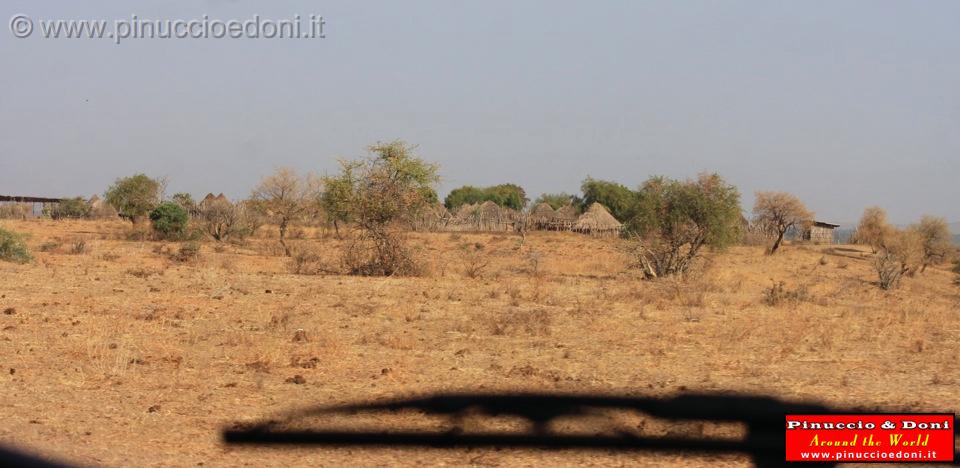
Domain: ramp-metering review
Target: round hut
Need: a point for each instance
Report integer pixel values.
(597, 221)
(541, 217)
(565, 218)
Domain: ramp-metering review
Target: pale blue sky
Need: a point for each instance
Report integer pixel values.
(844, 103)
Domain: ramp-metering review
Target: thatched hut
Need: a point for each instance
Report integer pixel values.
(432, 218)
(210, 198)
(541, 216)
(565, 218)
(597, 221)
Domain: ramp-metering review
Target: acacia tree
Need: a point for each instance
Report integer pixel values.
(379, 194)
(135, 196)
(873, 229)
(283, 198)
(674, 220)
(780, 211)
(615, 197)
(934, 234)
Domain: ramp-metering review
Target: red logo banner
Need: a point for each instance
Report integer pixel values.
(882, 438)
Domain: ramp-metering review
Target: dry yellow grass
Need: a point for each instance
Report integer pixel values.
(118, 356)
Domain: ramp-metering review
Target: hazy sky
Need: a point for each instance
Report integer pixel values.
(845, 104)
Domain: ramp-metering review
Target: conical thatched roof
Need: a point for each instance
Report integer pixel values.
(568, 213)
(542, 213)
(489, 210)
(597, 219)
(222, 198)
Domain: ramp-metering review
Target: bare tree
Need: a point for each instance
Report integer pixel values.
(935, 236)
(780, 211)
(873, 230)
(283, 197)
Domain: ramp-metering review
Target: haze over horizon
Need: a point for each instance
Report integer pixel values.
(846, 105)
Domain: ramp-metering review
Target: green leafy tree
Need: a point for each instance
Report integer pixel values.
(133, 197)
(557, 200)
(674, 220)
(380, 193)
(337, 195)
(505, 195)
(615, 197)
(169, 220)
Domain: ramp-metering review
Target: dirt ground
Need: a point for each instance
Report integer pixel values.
(120, 356)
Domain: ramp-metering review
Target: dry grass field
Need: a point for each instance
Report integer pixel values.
(114, 354)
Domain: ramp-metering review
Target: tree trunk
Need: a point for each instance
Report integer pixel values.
(776, 244)
(336, 229)
(283, 235)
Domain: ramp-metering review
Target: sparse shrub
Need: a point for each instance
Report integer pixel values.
(284, 198)
(78, 247)
(779, 294)
(901, 254)
(143, 272)
(532, 322)
(306, 262)
(70, 208)
(956, 269)
(13, 248)
(935, 236)
(16, 210)
(188, 252)
(223, 220)
(873, 229)
(475, 260)
(50, 246)
(169, 221)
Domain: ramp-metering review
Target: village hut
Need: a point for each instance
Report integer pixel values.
(597, 221)
(462, 218)
(819, 232)
(490, 217)
(541, 216)
(565, 219)
(207, 200)
(222, 198)
(431, 218)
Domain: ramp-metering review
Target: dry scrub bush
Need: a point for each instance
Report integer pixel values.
(223, 220)
(79, 247)
(188, 252)
(778, 294)
(873, 229)
(307, 262)
(532, 322)
(936, 239)
(901, 254)
(475, 260)
(16, 210)
(379, 254)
